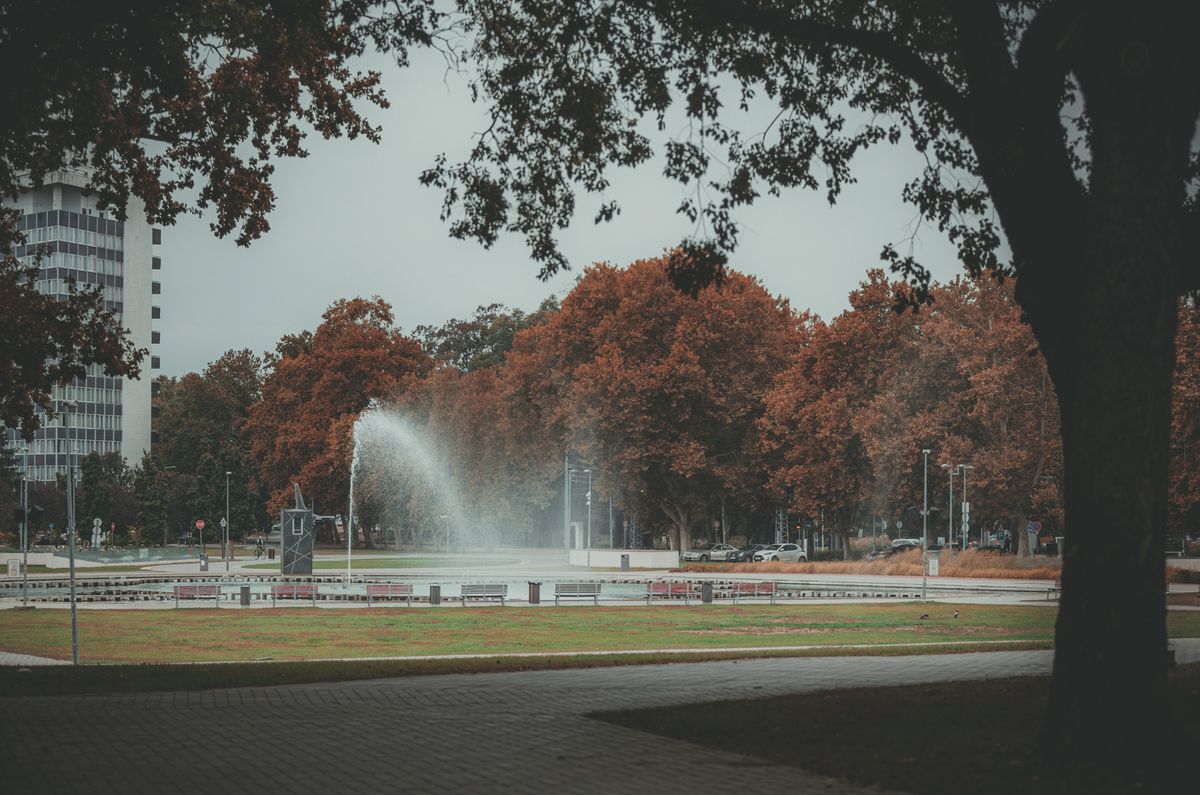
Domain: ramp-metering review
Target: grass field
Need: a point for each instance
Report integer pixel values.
(231, 634)
(376, 562)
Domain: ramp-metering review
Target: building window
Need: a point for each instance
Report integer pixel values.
(156, 263)
(156, 236)
(155, 337)
(155, 312)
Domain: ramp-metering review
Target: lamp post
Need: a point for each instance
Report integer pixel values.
(589, 507)
(925, 529)
(567, 502)
(951, 468)
(225, 523)
(24, 529)
(965, 521)
(69, 406)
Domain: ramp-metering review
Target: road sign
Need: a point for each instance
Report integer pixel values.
(199, 524)
(96, 522)
(933, 567)
(223, 522)
(899, 525)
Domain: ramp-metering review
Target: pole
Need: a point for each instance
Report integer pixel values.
(925, 529)
(25, 537)
(225, 539)
(610, 527)
(589, 506)
(71, 405)
(567, 502)
(964, 468)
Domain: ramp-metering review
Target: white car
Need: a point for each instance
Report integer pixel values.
(710, 552)
(786, 553)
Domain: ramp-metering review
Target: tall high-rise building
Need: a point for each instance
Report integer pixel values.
(94, 248)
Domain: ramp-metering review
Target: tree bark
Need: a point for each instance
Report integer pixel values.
(1113, 368)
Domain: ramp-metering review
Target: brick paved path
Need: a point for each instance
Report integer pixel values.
(504, 732)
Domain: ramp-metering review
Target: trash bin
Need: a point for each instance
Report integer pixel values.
(535, 593)
(271, 553)
(706, 593)
(435, 594)
(204, 563)
(624, 563)
(245, 596)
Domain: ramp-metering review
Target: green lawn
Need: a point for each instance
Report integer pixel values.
(233, 634)
(375, 562)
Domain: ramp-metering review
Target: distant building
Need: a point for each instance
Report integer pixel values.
(94, 248)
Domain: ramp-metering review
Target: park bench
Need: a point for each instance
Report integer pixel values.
(577, 590)
(668, 590)
(293, 591)
(753, 589)
(196, 592)
(485, 591)
(389, 591)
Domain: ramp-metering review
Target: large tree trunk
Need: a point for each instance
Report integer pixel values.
(1112, 366)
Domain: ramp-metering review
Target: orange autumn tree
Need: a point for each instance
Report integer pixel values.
(317, 385)
(811, 424)
(661, 391)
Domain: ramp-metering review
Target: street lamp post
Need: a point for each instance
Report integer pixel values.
(225, 523)
(965, 522)
(589, 507)
(925, 528)
(567, 502)
(951, 468)
(69, 406)
(24, 529)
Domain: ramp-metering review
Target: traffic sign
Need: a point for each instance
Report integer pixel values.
(96, 522)
(223, 522)
(899, 525)
(199, 524)
(885, 524)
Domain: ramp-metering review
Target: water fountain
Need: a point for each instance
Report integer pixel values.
(395, 446)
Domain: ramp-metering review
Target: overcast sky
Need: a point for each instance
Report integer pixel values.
(352, 219)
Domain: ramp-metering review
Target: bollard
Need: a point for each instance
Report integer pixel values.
(535, 593)
(245, 596)
(435, 594)
(706, 593)
(624, 563)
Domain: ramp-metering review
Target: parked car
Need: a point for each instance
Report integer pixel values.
(744, 555)
(786, 553)
(899, 545)
(710, 552)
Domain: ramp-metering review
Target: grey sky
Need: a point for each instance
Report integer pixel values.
(352, 220)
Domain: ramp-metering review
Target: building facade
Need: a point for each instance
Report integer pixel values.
(83, 242)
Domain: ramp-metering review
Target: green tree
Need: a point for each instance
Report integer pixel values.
(202, 417)
(104, 494)
(481, 340)
(153, 499)
(1071, 124)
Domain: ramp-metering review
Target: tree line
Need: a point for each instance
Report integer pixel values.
(699, 416)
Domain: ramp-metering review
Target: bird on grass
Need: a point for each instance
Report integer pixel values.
(924, 616)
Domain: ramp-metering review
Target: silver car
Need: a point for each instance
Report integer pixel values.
(710, 552)
(786, 553)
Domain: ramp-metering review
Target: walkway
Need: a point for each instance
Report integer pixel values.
(511, 732)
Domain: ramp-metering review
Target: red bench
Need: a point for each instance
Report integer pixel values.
(388, 591)
(196, 592)
(668, 590)
(293, 591)
(753, 589)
